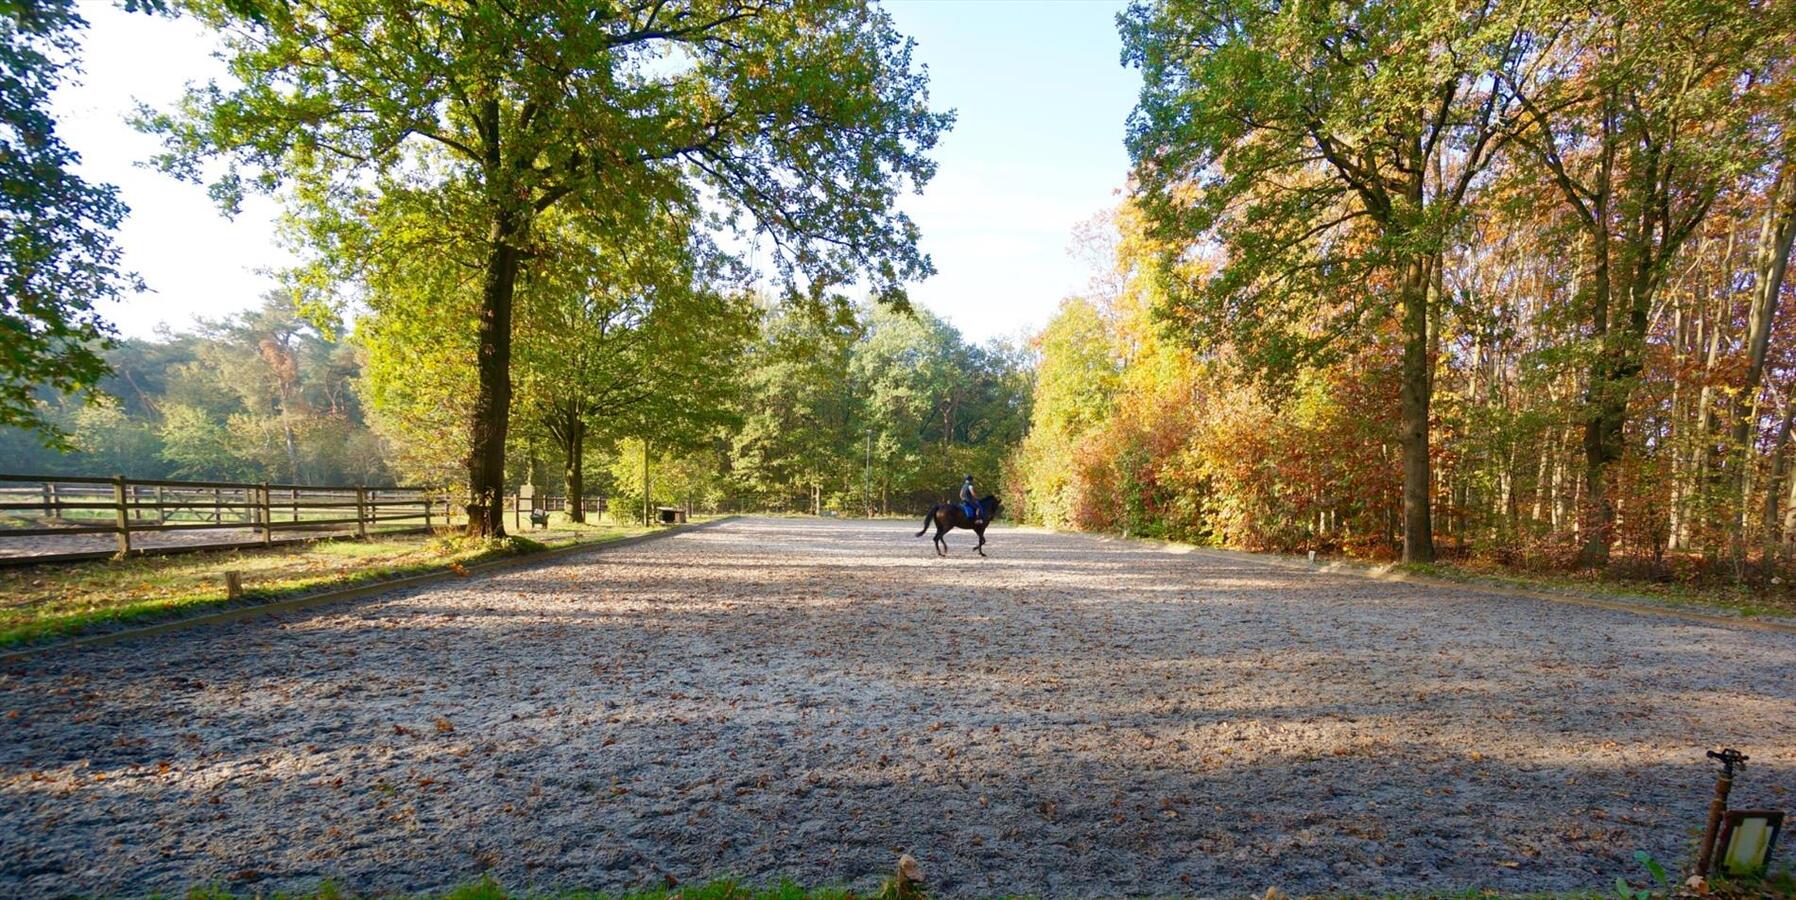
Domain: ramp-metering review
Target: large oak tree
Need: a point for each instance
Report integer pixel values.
(799, 120)
(1330, 148)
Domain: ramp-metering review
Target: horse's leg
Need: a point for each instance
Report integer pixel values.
(981, 532)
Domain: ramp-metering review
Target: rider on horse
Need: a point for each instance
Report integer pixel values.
(969, 512)
(969, 501)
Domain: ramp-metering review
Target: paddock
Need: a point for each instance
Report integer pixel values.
(806, 699)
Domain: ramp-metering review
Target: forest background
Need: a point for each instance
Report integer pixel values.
(1502, 283)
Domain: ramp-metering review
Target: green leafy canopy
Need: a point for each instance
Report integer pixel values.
(797, 120)
(57, 255)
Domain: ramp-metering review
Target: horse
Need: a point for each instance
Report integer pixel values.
(949, 516)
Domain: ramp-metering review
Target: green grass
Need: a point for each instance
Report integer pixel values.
(727, 889)
(42, 603)
(1739, 599)
(488, 889)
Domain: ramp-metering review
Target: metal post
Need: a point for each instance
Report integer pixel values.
(124, 514)
(1729, 758)
(361, 512)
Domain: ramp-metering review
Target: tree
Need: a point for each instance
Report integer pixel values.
(798, 414)
(620, 332)
(1075, 388)
(932, 406)
(1332, 148)
(113, 443)
(198, 445)
(803, 118)
(59, 258)
(692, 477)
(1638, 121)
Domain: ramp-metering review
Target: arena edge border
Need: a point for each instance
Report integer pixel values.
(1386, 574)
(356, 592)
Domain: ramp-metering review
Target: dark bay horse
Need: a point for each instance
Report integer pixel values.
(949, 516)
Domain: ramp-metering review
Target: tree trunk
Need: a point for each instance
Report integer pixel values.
(1418, 525)
(492, 405)
(1603, 419)
(1774, 259)
(1774, 484)
(574, 447)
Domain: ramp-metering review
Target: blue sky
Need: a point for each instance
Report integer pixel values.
(1037, 148)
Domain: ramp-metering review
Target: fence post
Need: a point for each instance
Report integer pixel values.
(217, 507)
(54, 502)
(428, 503)
(161, 506)
(265, 510)
(361, 512)
(123, 511)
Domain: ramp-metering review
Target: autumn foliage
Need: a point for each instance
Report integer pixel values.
(1134, 432)
(1416, 279)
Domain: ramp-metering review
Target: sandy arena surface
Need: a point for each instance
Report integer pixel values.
(1070, 717)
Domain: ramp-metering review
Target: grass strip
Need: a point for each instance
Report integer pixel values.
(60, 600)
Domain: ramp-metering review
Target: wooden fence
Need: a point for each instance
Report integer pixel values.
(40, 514)
(559, 504)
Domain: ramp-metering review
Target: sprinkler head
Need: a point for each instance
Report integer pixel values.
(1730, 759)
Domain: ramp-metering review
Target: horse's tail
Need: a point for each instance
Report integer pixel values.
(927, 518)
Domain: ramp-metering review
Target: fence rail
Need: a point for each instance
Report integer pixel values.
(46, 518)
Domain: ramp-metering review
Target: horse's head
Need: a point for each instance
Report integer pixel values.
(990, 504)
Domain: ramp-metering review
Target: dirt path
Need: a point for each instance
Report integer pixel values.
(770, 698)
